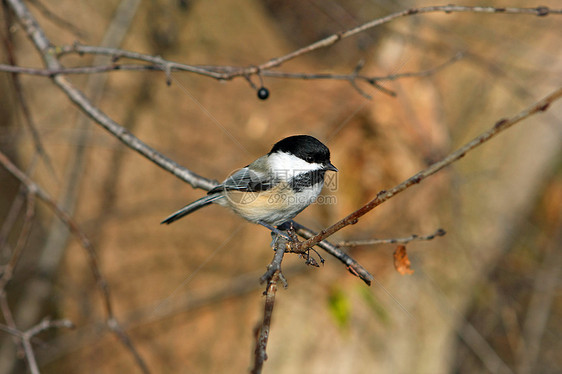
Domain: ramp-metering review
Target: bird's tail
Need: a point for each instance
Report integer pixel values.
(192, 207)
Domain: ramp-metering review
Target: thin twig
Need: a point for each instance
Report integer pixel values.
(26, 336)
(271, 276)
(275, 265)
(368, 79)
(26, 346)
(158, 63)
(8, 269)
(171, 66)
(46, 324)
(14, 210)
(547, 280)
(262, 333)
(374, 241)
(382, 196)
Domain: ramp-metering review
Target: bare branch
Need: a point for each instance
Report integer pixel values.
(357, 243)
(262, 331)
(275, 266)
(272, 276)
(15, 209)
(158, 63)
(382, 196)
(26, 336)
(170, 66)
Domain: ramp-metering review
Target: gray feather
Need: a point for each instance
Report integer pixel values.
(192, 207)
(252, 178)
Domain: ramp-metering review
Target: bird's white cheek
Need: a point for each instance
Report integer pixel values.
(286, 166)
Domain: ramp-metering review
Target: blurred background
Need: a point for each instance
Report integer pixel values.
(484, 298)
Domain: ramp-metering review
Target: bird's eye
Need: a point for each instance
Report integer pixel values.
(310, 159)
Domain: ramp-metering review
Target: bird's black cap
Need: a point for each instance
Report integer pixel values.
(307, 148)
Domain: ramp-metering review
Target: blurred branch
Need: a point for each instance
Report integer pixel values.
(103, 287)
(8, 269)
(272, 276)
(540, 306)
(9, 320)
(184, 302)
(262, 332)
(332, 39)
(13, 213)
(26, 336)
(275, 265)
(357, 243)
(18, 89)
(481, 348)
(382, 196)
(55, 18)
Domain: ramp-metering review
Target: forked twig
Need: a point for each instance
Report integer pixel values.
(26, 336)
(351, 264)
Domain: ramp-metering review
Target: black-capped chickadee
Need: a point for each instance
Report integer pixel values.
(276, 187)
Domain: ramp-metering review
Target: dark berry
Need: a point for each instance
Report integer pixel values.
(263, 93)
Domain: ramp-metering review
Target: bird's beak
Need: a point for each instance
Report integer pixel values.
(329, 166)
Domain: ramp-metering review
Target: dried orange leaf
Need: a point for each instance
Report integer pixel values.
(401, 260)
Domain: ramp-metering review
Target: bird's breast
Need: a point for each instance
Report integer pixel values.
(275, 205)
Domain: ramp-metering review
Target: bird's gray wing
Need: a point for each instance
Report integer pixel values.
(252, 178)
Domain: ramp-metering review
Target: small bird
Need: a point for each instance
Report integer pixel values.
(276, 187)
